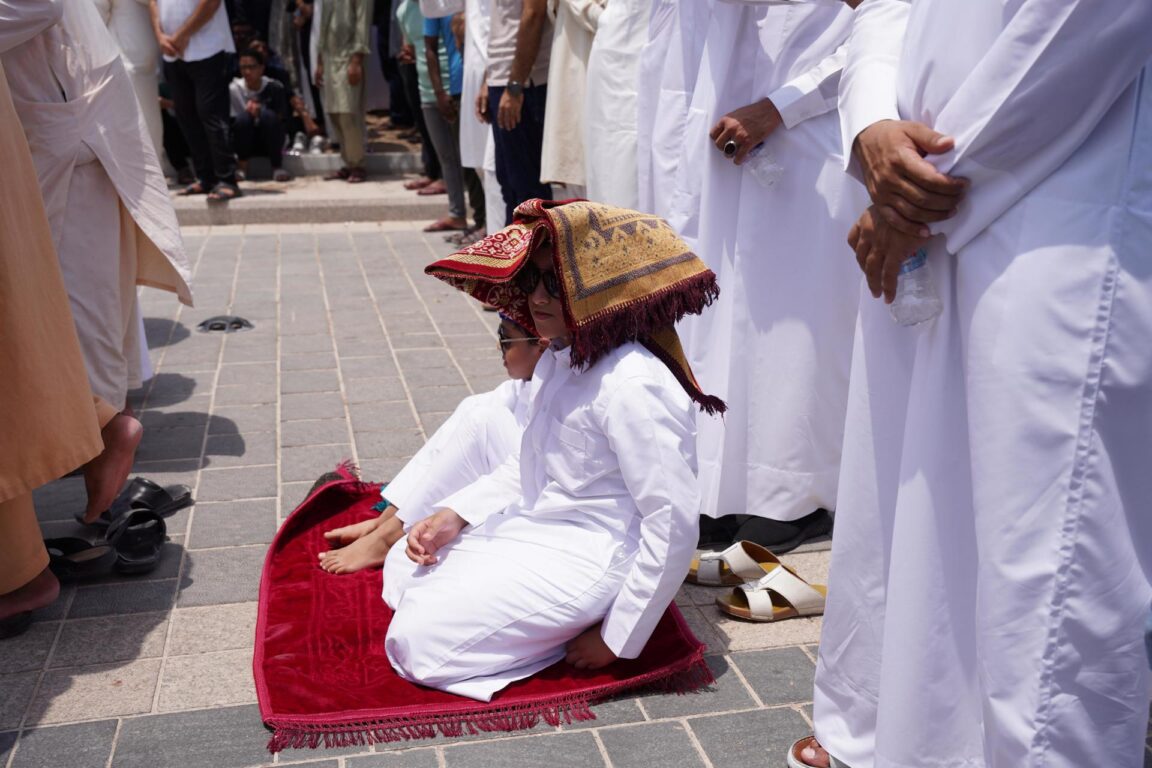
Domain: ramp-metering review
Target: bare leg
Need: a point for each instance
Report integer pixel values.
(104, 476)
(368, 551)
(347, 534)
(39, 592)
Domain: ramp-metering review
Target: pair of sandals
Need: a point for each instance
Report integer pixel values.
(351, 175)
(132, 546)
(221, 193)
(468, 236)
(764, 589)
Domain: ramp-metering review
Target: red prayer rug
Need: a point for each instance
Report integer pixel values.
(322, 677)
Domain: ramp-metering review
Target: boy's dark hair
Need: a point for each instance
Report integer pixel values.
(253, 53)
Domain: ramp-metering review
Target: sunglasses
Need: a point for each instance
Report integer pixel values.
(505, 341)
(530, 276)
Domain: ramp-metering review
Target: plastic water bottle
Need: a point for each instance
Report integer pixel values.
(763, 166)
(916, 298)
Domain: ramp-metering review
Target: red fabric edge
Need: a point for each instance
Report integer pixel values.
(363, 728)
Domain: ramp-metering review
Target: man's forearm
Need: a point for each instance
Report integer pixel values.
(528, 40)
(201, 16)
(154, 13)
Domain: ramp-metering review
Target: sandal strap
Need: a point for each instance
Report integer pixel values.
(786, 584)
(738, 560)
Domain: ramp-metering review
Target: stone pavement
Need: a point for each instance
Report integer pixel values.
(355, 354)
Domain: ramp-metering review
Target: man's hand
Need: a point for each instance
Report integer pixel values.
(355, 70)
(907, 190)
(747, 126)
(318, 72)
(407, 54)
(429, 535)
(167, 47)
(446, 107)
(508, 112)
(482, 104)
(252, 107)
(880, 250)
(589, 651)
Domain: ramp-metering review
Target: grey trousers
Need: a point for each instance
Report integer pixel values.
(446, 141)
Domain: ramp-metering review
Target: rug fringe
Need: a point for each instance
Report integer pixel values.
(688, 676)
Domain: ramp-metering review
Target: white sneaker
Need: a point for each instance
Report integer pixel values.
(299, 144)
(318, 145)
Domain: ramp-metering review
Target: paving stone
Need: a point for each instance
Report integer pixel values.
(29, 651)
(304, 344)
(394, 444)
(310, 381)
(227, 524)
(616, 712)
(310, 461)
(247, 375)
(380, 366)
(7, 742)
(249, 348)
(445, 376)
(60, 500)
(381, 470)
(83, 745)
(377, 389)
(416, 758)
(168, 444)
(564, 750)
(221, 678)
(213, 738)
(127, 597)
(381, 417)
(703, 629)
(740, 635)
(110, 639)
(753, 739)
(242, 395)
(416, 340)
(313, 432)
(233, 484)
(293, 494)
(171, 388)
(641, 746)
(15, 695)
(242, 419)
(170, 417)
(727, 693)
(433, 399)
(252, 449)
(82, 693)
(780, 676)
(431, 422)
(59, 607)
(431, 358)
(312, 361)
(212, 628)
(221, 576)
(299, 407)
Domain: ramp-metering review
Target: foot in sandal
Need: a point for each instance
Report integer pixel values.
(807, 753)
(447, 224)
(105, 475)
(779, 594)
(741, 562)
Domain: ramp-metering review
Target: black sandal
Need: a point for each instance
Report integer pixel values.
(138, 538)
(143, 493)
(195, 188)
(75, 559)
(224, 191)
(784, 536)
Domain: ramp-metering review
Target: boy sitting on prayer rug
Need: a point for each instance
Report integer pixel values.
(575, 549)
(482, 433)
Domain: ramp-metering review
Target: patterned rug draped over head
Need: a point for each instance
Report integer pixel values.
(322, 677)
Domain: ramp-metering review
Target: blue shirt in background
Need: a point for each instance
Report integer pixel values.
(442, 28)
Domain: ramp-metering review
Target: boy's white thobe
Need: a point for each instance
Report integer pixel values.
(777, 345)
(987, 596)
(481, 434)
(597, 521)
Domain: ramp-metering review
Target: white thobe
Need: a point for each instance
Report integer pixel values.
(597, 521)
(474, 135)
(562, 157)
(610, 112)
(481, 434)
(777, 344)
(986, 597)
(112, 220)
(130, 22)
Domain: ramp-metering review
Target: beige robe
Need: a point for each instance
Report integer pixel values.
(562, 155)
(107, 203)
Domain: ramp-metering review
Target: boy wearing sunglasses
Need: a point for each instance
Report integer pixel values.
(482, 433)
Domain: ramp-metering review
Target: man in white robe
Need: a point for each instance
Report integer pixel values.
(778, 344)
(112, 221)
(477, 150)
(990, 574)
(130, 22)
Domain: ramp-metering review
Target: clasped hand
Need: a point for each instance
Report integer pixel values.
(429, 535)
(746, 127)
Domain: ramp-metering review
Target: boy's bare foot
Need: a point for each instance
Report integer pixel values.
(343, 536)
(39, 592)
(366, 552)
(104, 476)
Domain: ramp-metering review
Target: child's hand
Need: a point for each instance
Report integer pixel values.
(589, 651)
(432, 533)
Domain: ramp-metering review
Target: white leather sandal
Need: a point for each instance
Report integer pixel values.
(777, 595)
(741, 562)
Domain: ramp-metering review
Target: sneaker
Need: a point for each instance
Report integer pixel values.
(299, 144)
(317, 145)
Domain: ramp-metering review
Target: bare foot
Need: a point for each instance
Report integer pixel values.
(39, 592)
(342, 537)
(809, 752)
(104, 476)
(366, 552)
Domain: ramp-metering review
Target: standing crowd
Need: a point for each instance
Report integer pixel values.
(973, 415)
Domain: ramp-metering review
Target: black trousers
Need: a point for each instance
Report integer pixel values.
(260, 137)
(200, 92)
(518, 150)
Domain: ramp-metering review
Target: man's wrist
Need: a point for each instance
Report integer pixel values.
(515, 89)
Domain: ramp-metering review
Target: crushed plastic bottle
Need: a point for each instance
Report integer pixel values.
(763, 166)
(916, 298)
